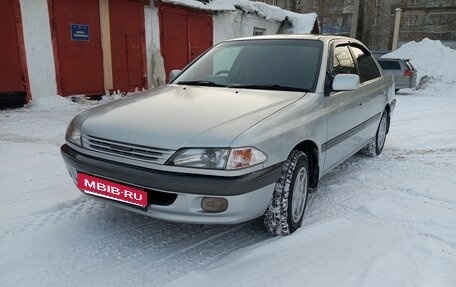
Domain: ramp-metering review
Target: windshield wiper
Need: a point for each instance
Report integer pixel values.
(274, 87)
(200, 83)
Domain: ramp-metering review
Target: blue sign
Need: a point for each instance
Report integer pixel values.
(80, 32)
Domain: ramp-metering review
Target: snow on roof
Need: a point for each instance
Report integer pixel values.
(301, 23)
(430, 58)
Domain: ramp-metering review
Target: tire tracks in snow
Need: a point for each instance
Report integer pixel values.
(352, 189)
(100, 241)
(157, 267)
(42, 219)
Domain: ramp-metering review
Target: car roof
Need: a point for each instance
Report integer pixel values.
(392, 59)
(323, 38)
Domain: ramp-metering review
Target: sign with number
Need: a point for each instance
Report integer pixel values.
(80, 32)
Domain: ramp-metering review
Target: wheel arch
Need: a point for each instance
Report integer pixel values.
(310, 148)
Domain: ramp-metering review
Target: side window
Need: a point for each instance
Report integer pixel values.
(343, 61)
(366, 66)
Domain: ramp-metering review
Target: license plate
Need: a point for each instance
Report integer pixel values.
(111, 190)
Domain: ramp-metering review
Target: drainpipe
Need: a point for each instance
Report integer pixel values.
(354, 23)
(397, 23)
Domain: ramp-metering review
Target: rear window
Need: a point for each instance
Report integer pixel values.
(389, 65)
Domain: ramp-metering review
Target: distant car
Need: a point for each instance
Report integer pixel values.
(244, 131)
(402, 70)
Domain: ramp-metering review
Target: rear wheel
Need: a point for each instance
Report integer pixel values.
(375, 147)
(286, 209)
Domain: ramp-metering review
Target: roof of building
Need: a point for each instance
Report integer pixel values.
(300, 23)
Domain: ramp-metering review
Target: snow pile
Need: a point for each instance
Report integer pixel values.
(302, 23)
(430, 58)
(269, 12)
(51, 103)
(76, 102)
(217, 5)
(58, 103)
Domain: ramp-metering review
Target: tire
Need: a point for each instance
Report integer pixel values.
(286, 209)
(375, 147)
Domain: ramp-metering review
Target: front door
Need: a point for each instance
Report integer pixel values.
(344, 113)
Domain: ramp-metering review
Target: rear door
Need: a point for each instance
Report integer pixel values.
(373, 92)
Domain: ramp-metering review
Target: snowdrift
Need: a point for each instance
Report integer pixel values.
(430, 58)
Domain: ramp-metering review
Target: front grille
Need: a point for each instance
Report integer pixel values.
(145, 153)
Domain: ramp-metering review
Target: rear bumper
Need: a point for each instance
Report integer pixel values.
(248, 195)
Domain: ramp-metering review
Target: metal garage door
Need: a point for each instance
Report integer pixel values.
(185, 34)
(76, 31)
(128, 44)
(12, 58)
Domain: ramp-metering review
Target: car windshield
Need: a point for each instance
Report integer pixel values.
(291, 65)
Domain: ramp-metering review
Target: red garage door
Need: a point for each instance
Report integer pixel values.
(186, 33)
(13, 76)
(128, 44)
(77, 37)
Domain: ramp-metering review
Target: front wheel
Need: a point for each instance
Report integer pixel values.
(286, 209)
(375, 147)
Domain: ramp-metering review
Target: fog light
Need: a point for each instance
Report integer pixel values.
(214, 204)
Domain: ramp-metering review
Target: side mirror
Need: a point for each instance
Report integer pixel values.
(345, 82)
(173, 74)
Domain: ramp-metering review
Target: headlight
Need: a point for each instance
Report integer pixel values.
(201, 158)
(214, 158)
(73, 135)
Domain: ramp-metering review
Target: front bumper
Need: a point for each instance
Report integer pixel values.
(248, 195)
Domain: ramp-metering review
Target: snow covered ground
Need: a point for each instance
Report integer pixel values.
(384, 221)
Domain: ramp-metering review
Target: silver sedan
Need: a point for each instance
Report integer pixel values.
(242, 132)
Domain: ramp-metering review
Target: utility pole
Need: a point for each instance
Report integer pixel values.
(397, 23)
(354, 23)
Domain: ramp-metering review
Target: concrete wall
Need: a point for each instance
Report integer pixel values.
(38, 48)
(155, 65)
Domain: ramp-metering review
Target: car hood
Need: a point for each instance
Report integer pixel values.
(174, 116)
